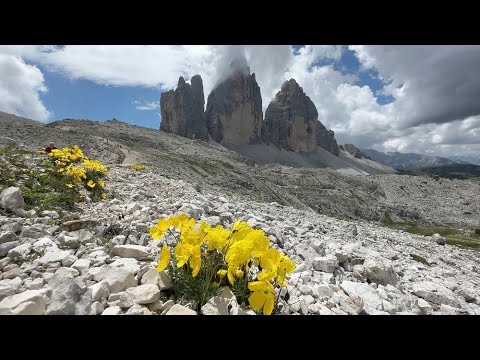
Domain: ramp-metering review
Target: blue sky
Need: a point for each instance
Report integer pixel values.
(85, 99)
(402, 98)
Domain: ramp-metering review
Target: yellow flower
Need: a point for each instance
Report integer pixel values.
(70, 185)
(263, 296)
(285, 267)
(183, 251)
(186, 251)
(101, 183)
(269, 263)
(91, 184)
(239, 274)
(179, 221)
(195, 260)
(104, 196)
(61, 170)
(159, 230)
(137, 167)
(164, 259)
(187, 225)
(94, 165)
(217, 237)
(76, 153)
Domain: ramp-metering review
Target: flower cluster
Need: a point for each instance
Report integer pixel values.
(245, 251)
(138, 167)
(80, 170)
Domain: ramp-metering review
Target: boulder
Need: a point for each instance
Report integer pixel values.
(131, 251)
(325, 263)
(12, 199)
(380, 271)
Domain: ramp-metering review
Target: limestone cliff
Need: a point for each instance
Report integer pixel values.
(291, 122)
(234, 110)
(182, 110)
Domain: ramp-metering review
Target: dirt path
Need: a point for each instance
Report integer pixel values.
(130, 156)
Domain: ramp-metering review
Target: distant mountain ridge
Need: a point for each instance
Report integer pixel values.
(409, 161)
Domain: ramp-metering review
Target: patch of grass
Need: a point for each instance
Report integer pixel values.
(227, 165)
(430, 230)
(387, 219)
(205, 166)
(452, 236)
(464, 242)
(477, 231)
(420, 259)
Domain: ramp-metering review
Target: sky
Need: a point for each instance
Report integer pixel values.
(406, 98)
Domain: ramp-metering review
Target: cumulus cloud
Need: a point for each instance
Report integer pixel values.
(431, 84)
(146, 105)
(20, 88)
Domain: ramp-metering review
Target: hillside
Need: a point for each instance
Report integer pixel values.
(407, 161)
(346, 193)
(453, 171)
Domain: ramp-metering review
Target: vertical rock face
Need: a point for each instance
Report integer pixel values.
(182, 110)
(234, 110)
(326, 139)
(291, 122)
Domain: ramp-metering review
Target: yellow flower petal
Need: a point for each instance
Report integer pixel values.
(269, 303)
(196, 261)
(183, 251)
(164, 258)
(256, 300)
(182, 218)
(256, 286)
(156, 233)
(70, 185)
(230, 277)
(239, 274)
(91, 184)
(104, 196)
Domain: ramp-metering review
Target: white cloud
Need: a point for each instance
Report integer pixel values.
(438, 84)
(20, 88)
(146, 105)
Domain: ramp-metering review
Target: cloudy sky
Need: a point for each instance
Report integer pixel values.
(423, 99)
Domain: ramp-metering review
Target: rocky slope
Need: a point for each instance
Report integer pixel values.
(105, 262)
(182, 110)
(354, 151)
(234, 109)
(213, 168)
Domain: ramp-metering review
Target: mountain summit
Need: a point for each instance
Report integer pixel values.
(182, 110)
(291, 122)
(234, 109)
